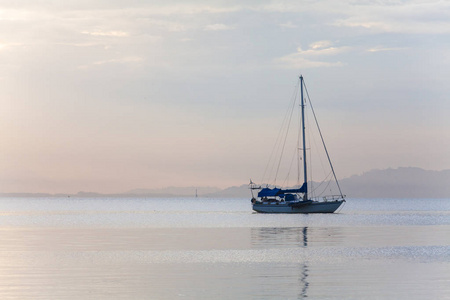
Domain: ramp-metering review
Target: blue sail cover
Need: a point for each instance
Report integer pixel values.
(266, 192)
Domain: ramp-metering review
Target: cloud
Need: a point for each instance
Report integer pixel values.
(123, 60)
(302, 58)
(321, 51)
(288, 25)
(187, 9)
(412, 17)
(395, 26)
(295, 62)
(320, 45)
(167, 25)
(218, 27)
(130, 59)
(21, 15)
(381, 49)
(8, 45)
(107, 33)
(396, 16)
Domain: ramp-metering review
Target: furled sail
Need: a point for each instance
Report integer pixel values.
(267, 192)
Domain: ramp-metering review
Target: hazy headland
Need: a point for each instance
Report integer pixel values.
(405, 182)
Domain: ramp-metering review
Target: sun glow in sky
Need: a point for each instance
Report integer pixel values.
(109, 96)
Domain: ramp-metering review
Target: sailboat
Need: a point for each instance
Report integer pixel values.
(297, 200)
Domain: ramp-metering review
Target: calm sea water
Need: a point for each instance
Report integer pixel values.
(69, 248)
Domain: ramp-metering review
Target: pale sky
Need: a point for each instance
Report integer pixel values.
(109, 96)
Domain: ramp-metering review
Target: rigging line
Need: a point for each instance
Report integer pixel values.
(325, 188)
(309, 157)
(286, 180)
(272, 154)
(326, 179)
(318, 153)
(281, 146)
(316, 189)
(276, 145)
(285, 138)
(298, 145)
(323, 142)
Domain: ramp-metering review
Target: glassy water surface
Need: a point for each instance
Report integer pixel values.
(186, 248)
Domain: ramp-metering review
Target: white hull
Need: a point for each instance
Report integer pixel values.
(285, 208)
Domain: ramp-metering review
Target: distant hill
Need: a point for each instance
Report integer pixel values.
(232, 192)
(407, 182)
(176, 191)
(398, 183)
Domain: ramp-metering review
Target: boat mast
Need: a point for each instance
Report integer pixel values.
(305, 184)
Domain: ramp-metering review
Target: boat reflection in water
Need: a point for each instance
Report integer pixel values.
(304, 267)
(291, 238)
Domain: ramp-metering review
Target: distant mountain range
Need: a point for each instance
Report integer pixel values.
(398, 183)
(406, 182)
